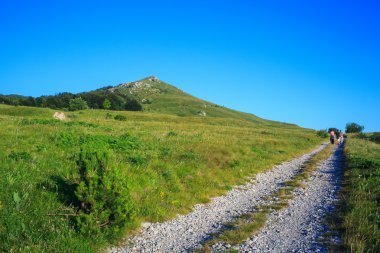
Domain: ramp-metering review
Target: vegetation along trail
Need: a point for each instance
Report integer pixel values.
(191, 232)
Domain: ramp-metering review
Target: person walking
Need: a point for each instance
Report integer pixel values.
(332, 136)
(340, 137)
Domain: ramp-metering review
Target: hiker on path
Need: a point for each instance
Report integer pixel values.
(340, 137)
(332, 136)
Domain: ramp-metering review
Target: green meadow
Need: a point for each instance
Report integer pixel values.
(168, 163)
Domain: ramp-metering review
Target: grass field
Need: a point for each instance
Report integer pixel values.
(358, 217)
(169, 163)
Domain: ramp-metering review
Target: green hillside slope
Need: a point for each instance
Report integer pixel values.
(158, 96)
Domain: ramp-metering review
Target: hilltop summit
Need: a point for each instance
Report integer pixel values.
(158, 96)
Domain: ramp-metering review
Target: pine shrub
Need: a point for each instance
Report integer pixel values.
(106, 206)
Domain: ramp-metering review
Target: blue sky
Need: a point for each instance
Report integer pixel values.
(312, 63)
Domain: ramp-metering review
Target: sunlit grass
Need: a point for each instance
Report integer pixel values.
(358, 213)
(175, 163)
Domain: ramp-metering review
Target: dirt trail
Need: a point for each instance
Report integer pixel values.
(299, 227)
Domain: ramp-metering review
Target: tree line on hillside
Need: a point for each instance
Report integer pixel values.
(99, 99)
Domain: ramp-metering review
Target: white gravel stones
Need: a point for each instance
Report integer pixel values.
(299, 227)
(187, 232)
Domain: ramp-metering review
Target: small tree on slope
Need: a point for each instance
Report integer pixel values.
(354, 128)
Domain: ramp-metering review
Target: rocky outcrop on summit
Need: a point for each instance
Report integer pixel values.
(138, 87)
(153, 79)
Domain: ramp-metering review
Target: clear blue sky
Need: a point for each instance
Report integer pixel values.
(312, 63)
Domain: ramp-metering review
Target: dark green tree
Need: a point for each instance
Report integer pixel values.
(336, 130)
(354, 128)
(133, 105)
(64, 99)
(78, 103)
(41, 101)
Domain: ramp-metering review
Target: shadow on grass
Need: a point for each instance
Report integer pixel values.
(64, 189)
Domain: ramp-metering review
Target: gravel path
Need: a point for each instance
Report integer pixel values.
(187, 232)
(299, 227)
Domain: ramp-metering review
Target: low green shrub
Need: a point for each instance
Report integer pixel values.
(120, 117)
(137, 160)
(171, 133)
(106, 206)
(123, 142)
(51, 122)
(55, 122)
(235, 163)
(81, 123)
(19, 156)
(109, 116)
(65, 139)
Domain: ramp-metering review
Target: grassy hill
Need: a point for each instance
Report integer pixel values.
(169, 157)
(158, 96)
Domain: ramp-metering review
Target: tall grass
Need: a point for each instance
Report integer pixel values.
(359, 211)
(170, 163)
